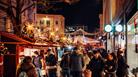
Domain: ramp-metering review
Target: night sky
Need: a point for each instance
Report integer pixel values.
(85, 12)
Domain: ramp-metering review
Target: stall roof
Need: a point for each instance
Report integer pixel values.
(81, 31)
(12, 36)
(17, 40)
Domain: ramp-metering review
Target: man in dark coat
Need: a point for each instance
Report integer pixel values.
(96, 64)
(65, 64)
(51, 62)
(122, 65)
(110, 65)
(76, 63)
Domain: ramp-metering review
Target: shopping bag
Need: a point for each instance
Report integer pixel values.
(87, 73)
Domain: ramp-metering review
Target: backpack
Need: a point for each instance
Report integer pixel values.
(23, 74)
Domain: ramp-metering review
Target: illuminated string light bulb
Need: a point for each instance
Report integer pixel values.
(52, 33)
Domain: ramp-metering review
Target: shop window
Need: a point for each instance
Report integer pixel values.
(48, 23)
(56, 22)
(41, 22)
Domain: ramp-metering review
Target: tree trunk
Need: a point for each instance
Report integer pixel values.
(17, 28)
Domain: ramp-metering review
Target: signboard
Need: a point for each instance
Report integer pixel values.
(137, 4)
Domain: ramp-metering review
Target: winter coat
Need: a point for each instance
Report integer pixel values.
(29, 68)
(76, 62)
(122, 66)
(110, 66)
(65, 62)
(51, 61)
(96, 66)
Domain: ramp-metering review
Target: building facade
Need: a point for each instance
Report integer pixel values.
(122, 12)
(48, 25)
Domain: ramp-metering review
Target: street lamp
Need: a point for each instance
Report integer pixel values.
(119, 28)
(113, 28)
(116, 28)
(108, 28)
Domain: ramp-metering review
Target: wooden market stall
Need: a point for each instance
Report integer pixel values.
(10, 58)
(15, 47)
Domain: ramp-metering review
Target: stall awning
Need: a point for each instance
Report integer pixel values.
(15, 39)
(81, 31)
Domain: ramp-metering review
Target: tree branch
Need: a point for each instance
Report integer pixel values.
(11, 11)
(22, 3)
(3, 9)
(6, 5)
(27, 7)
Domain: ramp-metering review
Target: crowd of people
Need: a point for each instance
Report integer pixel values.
(78, 62)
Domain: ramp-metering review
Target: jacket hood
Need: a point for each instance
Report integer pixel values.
(26, 66)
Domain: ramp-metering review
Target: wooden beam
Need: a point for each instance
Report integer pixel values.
(12, 43)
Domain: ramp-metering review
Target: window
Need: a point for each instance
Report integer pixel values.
(56, 22)
(41, 22)
(48, 23)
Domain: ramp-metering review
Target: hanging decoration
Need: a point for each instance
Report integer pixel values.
(3, 49)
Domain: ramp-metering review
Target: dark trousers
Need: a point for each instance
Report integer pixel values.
(121, 73)
(76, 74)
(110, 74)
(96, 74)
(52, 74)
(66, 73)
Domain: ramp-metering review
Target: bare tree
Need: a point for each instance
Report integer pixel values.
(14, 10)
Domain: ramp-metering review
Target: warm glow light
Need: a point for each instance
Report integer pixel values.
(46, 19)
(64, 38)
(57, 36)
(29, 26)
(57, 29)
(52, 33)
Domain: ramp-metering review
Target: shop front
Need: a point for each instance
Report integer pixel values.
(132, 52)
(9, 56)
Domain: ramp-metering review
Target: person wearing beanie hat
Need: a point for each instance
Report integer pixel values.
(96, 64)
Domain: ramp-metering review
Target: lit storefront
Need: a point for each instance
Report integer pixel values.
(132, 52)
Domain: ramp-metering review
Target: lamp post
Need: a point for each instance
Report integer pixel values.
(107, 29)
(126, 29)
(113, 28)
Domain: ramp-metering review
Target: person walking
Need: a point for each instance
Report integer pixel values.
(37, 61)
(51, 63)
(110, 65)
(122, 65)
(65, 64)
(96, 64)
(26, 68)
(76, 63)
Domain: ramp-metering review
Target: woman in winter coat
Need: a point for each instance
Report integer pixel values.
(122, 69)
(27, 67)
(96, 64)
(110, 65)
